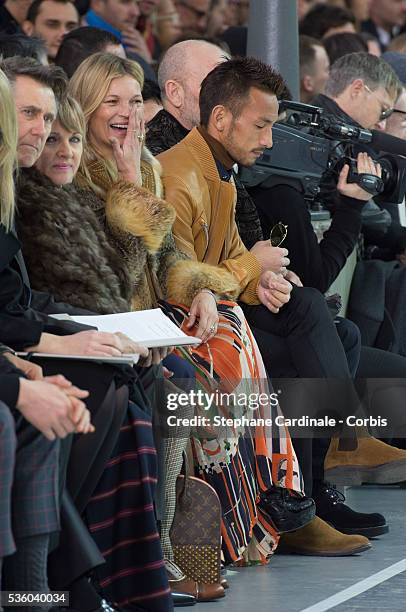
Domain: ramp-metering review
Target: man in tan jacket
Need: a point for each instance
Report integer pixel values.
(238, 103)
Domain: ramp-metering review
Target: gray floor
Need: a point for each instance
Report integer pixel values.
(291, 583)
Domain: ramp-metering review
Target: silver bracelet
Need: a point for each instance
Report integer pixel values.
(209, 292)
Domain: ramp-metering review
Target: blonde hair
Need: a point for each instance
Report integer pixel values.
(89, 85)
(8, 152)
(71, 117)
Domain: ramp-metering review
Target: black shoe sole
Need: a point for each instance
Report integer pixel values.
(368, 532)
(352, 475)
(320, 553)
(183, 604)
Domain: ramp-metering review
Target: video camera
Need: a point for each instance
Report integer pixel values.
(311, 145)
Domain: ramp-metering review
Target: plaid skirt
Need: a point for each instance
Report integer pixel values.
(7, 456)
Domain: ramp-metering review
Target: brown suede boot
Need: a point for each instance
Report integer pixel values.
(318, 539)
(372, 461)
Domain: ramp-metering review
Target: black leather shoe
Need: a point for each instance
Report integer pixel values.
(182, 599)
(286, 511)
(331, 508)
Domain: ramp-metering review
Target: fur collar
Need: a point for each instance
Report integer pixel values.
(134, 210)
(66, 248)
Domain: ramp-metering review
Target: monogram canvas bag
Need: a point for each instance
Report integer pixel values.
(196, 530)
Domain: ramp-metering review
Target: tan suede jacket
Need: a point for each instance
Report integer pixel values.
(205, 227)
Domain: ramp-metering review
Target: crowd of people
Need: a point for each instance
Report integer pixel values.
(124, 125)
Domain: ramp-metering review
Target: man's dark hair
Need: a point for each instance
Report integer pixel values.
(151, 91)
(50, 76)
(78, 44)
(322, 17)
(22, 45)
(307, 53)
(34, 9)
(338, 45)
(230, 82)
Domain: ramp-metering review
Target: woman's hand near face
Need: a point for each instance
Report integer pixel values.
(128, 155)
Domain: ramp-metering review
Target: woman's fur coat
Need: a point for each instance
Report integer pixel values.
(110, 256)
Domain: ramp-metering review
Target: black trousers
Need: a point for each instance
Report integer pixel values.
(303, 341)
(311, 346)
(381, 383)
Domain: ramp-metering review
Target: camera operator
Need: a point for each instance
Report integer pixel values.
(361, 90)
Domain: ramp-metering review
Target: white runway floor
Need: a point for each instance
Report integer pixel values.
(374, 581)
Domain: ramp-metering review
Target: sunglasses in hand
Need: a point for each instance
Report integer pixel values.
(278, 234)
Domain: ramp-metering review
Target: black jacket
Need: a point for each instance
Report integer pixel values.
(370, 27)
(8, 25)
(317, 264)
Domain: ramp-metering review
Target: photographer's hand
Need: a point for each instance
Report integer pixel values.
(365, 165)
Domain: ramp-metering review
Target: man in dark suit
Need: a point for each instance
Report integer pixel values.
(387, 17)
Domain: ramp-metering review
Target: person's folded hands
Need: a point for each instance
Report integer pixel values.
(273, 291)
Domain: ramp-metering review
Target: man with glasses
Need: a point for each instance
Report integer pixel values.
(193, 15)
(362, 89)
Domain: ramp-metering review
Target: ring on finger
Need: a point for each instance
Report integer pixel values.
(139, 136)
